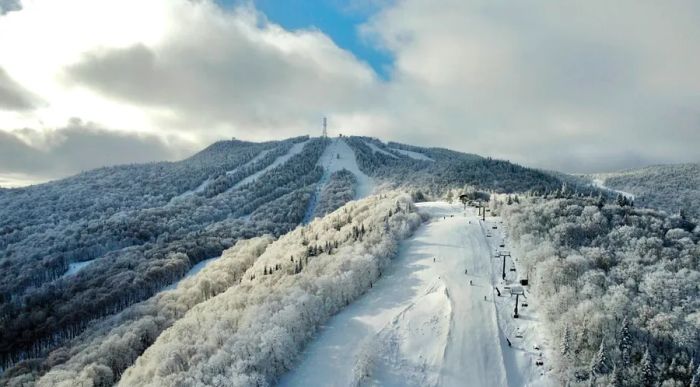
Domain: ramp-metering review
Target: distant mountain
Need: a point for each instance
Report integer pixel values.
(672, 188)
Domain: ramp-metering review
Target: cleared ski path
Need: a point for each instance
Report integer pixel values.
(294, 150)
(338, 156)
(422, 323)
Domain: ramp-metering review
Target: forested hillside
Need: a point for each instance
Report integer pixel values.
(141, 229)
(672, 188)
(78, 251)
(620, 289)
(434, 170)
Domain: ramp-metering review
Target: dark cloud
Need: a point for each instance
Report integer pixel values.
(12, 95)
(79, 147)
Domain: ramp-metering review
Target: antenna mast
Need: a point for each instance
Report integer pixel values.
(325, 127)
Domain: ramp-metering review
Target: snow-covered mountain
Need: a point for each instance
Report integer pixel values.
(673, 188)
(220, 269)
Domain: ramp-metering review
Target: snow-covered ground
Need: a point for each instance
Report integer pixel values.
(377, 149)
(294, 150)
(600, 183)
(423, 324)
(75, 267)
(208, 181)
(193, 270)
(337, 156)
(412, 154)
(255, 159)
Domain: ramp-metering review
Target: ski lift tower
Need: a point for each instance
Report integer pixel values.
(518, 291)
(325, 128)
(504, 254)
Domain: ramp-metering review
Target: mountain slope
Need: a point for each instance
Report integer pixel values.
(671, 188)
(84, 248)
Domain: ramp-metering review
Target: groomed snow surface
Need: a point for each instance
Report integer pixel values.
(338, 156)
(600, 183)
(423, 324)
(412, 154)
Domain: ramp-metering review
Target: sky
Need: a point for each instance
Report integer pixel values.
(576, 86)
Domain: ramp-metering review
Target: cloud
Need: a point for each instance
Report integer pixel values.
(9, 6)
(249, 75)
(12, 95)
(559, 85)
(41, 155)
(572, 86)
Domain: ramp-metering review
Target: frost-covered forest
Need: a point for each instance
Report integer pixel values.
(256, 306)
(672, 188)
(445, 169)
(620, 289)
(140, 232)
(90, 263)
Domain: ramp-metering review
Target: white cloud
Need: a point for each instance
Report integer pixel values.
(574, 86)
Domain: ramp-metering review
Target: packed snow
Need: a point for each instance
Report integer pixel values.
(338, 156)
(600, 183)
(192, 272)
(208, 181)
(377, 149)
(75, 267)
(412, 154)
(294, 150)
(432, 319)
(255, 159)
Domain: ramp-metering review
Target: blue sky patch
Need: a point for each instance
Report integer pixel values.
(335, 18)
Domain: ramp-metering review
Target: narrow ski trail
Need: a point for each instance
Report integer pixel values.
(337, 156)
(422, 323)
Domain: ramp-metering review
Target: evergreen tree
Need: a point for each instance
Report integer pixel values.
(599, 362)
(625, 344)
(566, 343)
(647, 370)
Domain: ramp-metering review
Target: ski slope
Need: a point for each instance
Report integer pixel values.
(294, 150)
(337, 156)
(208, 181)
(377, 149)
(600, 183)
(422, 323)
(75, 267)
(192, 272)
(412, 154)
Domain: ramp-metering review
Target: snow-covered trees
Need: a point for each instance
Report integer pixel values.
(339, 190)
(620, 289)
(671, 188)
(140, 239)
(117, 341)
(253, 332)
(448, 170)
